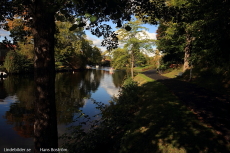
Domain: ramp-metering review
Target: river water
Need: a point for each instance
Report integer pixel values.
(75, 94)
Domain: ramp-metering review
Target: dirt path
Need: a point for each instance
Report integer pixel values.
(211, 108)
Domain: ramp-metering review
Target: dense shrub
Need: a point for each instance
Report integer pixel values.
(16, 63)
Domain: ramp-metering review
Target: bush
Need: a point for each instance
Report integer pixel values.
(16, 63)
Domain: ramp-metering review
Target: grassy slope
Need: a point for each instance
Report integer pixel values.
(164, 124)
(211, 79)
(142, 79)
(173, 73)
(145, 68)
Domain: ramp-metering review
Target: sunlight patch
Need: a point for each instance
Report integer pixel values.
(143, 129)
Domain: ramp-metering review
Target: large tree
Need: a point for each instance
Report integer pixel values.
(120, 58)
(205, 33)
(170, 41)
(135, 40)
(69, 49)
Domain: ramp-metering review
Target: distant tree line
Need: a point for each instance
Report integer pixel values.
(72, 49)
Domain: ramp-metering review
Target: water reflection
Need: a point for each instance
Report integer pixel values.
(118, 78)
(21, 118)
(21, 113)
(3, 93)
(72, 91)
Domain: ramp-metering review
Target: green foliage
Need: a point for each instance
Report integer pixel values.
(171, 41)
(68, 44)
(203, 31)
(95, 56)
(141, 59)
(2, 68)
(135, 41)
(72, 49)
(120, 58)
(16, 63)
(26, 49)
(213, 78)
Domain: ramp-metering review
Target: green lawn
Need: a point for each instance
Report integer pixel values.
(144, 68)
(173, 73)
(210, 79)
(142, 79)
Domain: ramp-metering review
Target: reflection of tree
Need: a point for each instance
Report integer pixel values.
(22, 119)
(3, 92)
(11, 84)
(118, 78)
(23, 87)
(69, 96)
(71, 90)
(17, 83)
(21, 114)
(92, 79)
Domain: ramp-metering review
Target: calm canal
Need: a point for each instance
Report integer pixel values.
(74, 91)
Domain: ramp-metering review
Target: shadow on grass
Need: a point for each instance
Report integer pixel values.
(164, 124)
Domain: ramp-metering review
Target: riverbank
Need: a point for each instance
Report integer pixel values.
(214, 79)
(151, 118)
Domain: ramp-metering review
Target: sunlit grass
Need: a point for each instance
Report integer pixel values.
(144, 68)
(215, 79)
(141, 79)
(173, 73)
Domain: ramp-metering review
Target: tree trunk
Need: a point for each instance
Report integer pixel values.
(187, 51)
(45, 125)
(132, 64)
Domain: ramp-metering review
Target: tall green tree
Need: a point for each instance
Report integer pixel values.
(135, 40)
(213, 34)
(68, 52)
(96, 56)
(205, 34)
(15, 62)
(121, 58)
(92, 54)
(171, 42)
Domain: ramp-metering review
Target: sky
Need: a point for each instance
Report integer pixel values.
(97, 41)
(3, 33)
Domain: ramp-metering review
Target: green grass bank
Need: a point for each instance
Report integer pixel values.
(214, 79)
